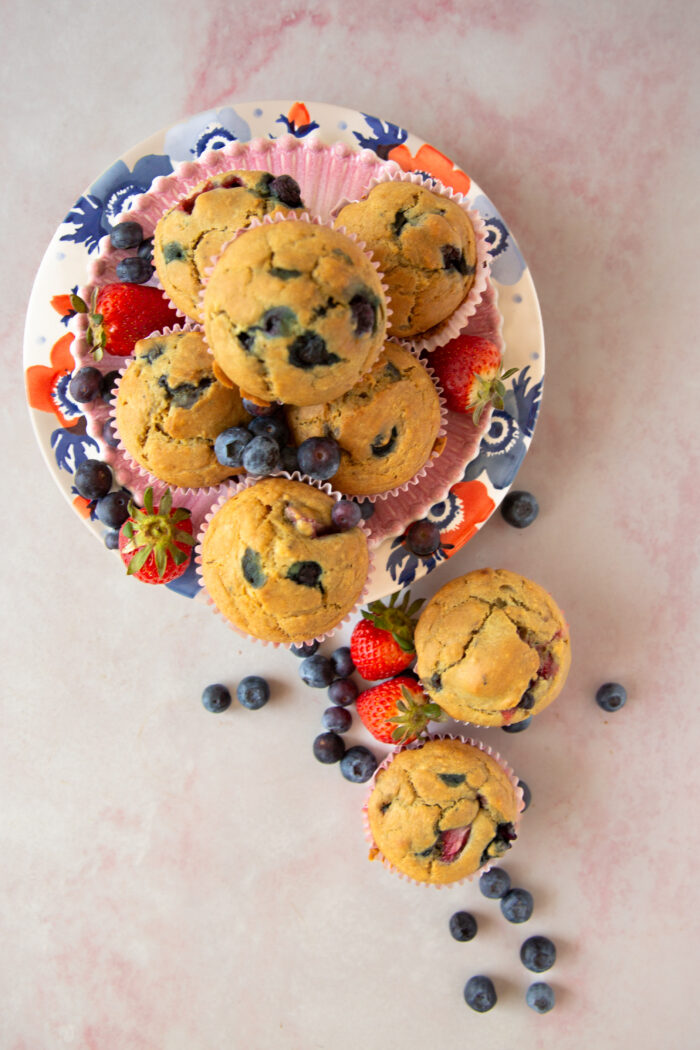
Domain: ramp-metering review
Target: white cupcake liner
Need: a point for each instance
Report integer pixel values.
(375, 851)
(232, 490)
(452, 325)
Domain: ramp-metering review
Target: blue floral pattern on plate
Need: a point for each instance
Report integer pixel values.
(209, 130)
(504, 445)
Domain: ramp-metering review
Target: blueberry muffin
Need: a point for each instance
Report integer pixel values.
(386, 425)
(170, 408)
(425, 246)
(440, 811)
(492, 648)
(294, 312)
(194, 231)
(274, 565)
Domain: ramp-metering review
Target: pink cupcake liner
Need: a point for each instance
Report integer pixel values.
(376, 853)
(232, 490)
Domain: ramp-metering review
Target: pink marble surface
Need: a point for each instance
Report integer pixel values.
(177, 880)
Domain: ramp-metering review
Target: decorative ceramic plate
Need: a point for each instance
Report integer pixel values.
(460, 497)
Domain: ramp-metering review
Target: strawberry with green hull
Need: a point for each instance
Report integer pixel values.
(381, 644)
(121, 314)
(396, 711)
(470, 373)
(156, 542)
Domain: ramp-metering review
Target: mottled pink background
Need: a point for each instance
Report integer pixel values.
(175, 881)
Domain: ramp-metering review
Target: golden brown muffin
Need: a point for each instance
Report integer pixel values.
(194, 231)
(294, 312)
(440, 811)
(425, 246)
(386, 425)
(170, 408)
(492, 648)
(274, 565)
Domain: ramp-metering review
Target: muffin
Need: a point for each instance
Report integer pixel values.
(386, 425)
(194, 231)
(170, 408)
(492, 648)
(294, 312)
(441, 810)
(274, 565)
(426, 249)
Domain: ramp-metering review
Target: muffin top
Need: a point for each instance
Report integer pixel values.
(170, 407)
(194, 231)
(386, 425)
(440, 811)
(294, 312)
(492, 648)
(425, 246)
(274, 565)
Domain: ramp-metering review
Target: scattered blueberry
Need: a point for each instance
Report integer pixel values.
(517, 727)
(253, 692)
(463, 926)
(229, 445)
(494, 883)
(305, 649)
(261, 455)
(527, 794)
(517, 905)
(423, 538)
(145, 250)
(134, 270)
(519, 509)
(480, 994)
(254, 409)
(108, 384)
(358, 764)
(216, 698)
(343, 691)
(611, 696)
(126, 235)
(85, 385)
(316, 671)
(342, 661)
(93, 479)
(288, 459)
(319, 457)
(538, 953)
(113, 509)
(329, 747)
(345, 514)
(112, 540)
(109, 433)
(540, 997)
(272, 426)
(337, 719)
(366, 509)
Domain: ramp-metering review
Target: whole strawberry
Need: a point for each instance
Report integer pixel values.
(381, 644)
(396, 711)
(156, 542)
(121, 314)
(469, 370)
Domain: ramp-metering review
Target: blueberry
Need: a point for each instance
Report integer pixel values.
(85, 385)
(254, 409)
(108, 385)
(383, 446)
(517, 727)
(288, 459)
(316, 671)
(540, 997)
(305, 649)
(345, 515)
(342, 661)
(113, 509)
(453, 259)
(126, 235)
(527, 794)
(229, 445)
(538, 953)
(261, 455)
(319, 457)
(611, 696)
(527, 700)
(93, 479)
(253, 692)
(358, 764)
(329, 747)
(423, 538)
(272, 426)
(280, 320)
(173, 251)
(494, 883)
(145, 250)
(463, 926)
(343, 691)
(480, 994)
(366, 509)
(251, 566)
(216, 698)
(519, 509)
(306, 574)
(363, 314)
(286, 190)
(309, 350)
(109, 433)
(134, 270)
(336, 719)
(112, 540)
(517, 905)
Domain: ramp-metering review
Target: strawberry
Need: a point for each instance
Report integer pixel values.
(156, 542)
(395, 711)
(121, 314)
(469, 370)
(381, 644)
